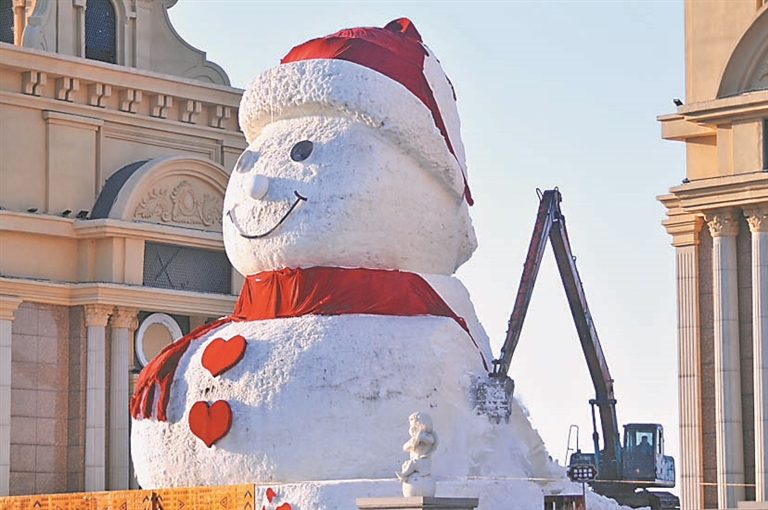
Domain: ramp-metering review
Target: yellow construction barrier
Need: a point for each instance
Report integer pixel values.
(227, 497)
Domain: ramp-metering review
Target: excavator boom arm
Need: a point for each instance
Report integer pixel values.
(550, 224)
(541, 228)
(590, 345)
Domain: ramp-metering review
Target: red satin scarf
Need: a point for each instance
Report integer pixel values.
(293, 293)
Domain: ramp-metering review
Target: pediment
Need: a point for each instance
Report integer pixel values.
(174, 190)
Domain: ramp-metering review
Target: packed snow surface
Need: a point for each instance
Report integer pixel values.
(345, 169)
(368, 204)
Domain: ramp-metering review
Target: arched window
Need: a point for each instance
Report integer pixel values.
(6, 21)
(100, 31)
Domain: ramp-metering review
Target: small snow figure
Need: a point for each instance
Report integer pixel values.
(416, 473)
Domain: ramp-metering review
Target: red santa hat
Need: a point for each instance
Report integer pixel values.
(384, 77)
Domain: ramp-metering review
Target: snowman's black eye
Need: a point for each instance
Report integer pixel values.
(301, 150)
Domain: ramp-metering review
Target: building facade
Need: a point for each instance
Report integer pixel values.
(116, 139)
(718, 220)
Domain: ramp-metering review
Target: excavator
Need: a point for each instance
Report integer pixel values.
(621, 472)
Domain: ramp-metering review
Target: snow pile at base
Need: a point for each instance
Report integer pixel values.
(492, 493)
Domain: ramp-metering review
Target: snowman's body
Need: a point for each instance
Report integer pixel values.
(320, 398)
(323, 401)
(345, 169)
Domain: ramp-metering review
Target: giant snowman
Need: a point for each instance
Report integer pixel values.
(348, 212)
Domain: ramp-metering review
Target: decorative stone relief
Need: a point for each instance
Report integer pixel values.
(723, 223)
(757, 217)
(97, 315)
(183, 204)
(416, 472)
(124, 317)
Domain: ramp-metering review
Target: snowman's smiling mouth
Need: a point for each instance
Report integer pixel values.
(231, 215)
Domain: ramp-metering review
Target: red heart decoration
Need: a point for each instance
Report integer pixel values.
(210, 423)
(221, 355)
(284, 506)
(270, 494)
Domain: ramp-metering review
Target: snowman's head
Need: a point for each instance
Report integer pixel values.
(354, 160)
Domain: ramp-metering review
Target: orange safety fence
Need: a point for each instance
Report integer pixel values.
(227, 497)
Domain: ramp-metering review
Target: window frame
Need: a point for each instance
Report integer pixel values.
(115, 13)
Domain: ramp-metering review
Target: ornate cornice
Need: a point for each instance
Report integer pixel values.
(723, 223)
(8, 306)
(54, 226)
(113, 294)
(97, 315)
(757, 217)
(722, 192)
(125, 317)
(683, 226)
(726, 109)
(206, 103)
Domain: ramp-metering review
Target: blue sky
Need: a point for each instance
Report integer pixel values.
(551, 93)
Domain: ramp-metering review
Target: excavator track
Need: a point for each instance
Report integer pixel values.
(665, 501)
(656, 500)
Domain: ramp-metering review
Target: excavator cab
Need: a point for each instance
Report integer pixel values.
(643, 455)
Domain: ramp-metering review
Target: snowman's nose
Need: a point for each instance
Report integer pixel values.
(257, 186)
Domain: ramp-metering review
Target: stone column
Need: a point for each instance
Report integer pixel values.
(689, 365)
(124, 323)
(8, 306)
(96, 317)
(689, 377)
(724, 226)
(684, 227)
(757, 216)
